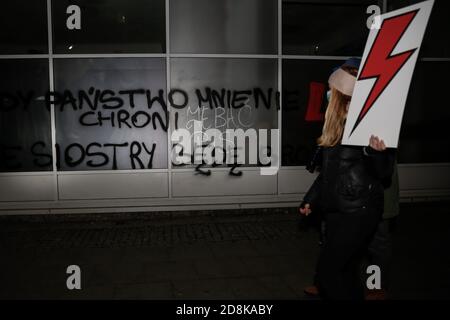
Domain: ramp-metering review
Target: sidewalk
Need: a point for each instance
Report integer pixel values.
(245, 256)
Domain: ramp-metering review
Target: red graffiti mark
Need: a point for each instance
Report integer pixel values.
(316, 93)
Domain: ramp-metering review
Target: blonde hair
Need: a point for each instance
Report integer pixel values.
(335, 117)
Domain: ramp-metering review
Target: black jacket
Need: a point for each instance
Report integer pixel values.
(351, 178)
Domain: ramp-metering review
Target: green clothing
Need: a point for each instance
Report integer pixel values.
(392, 197)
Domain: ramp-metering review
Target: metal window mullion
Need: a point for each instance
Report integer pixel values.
(312, 57)
(224, 55)
(435, 59)
(109, 171)
(167, 55)
(280, 85)
(108, 55)
(52, 88)
(24, 56)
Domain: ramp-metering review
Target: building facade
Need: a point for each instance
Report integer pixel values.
(92, 90)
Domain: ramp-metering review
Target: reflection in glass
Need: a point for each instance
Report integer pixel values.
(111, 113)
(25, 140)
(226, 26)
(325, 27)
(305, 83)
(113, 26)
(23, 27)
(224, 93)
(424, 136)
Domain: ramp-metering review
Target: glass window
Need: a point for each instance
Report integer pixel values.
(226, 26)
(305, 83)
(113, 26)
(111, 113)
(23, 27)
(426, 113)
(325, 27)
(435, 42)
(224, 94)
(423, 137)
(25, 140)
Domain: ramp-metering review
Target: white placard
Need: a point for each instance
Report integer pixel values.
(384, 76)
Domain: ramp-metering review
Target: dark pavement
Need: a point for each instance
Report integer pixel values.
(251, 254)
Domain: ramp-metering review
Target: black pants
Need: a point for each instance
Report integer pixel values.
(347, 238)
(380, 250)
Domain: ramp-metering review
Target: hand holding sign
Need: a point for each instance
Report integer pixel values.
(305, 210)
(376, 144)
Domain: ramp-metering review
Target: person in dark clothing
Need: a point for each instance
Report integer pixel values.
(379, 251)
(348, 191)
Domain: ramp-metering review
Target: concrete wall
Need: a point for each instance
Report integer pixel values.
(159, 190)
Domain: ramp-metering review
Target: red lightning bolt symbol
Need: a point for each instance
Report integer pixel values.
(380, 63)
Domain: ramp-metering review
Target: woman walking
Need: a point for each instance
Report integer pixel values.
(348, 191)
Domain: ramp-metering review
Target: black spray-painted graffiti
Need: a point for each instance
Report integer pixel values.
(120, 110)
(94, 155)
